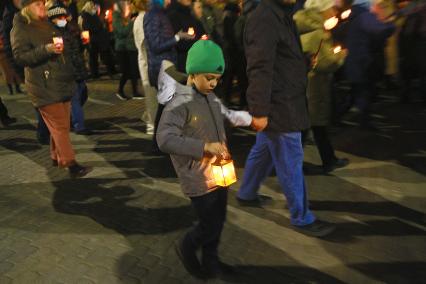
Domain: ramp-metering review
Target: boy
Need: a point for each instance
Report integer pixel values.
(192, 131)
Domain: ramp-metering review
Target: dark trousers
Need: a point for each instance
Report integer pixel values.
(363, 95)
(323, 144)
(3, 111)
(211, 213)
(43, 133)
(128, 60)
(156, 122)
(94, 51)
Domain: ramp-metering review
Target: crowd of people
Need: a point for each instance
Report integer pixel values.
(279, 59)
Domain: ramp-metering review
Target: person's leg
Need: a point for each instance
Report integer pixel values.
(210, 258)
(57, 119)
(10, 88)
(108, 60)
(160, 109)
(287, 154)
(258, 166)
(43, 134)
(323, 144)
(3, 111)
(122, 58)
(93, 60)
(133, 70)
(77, 113)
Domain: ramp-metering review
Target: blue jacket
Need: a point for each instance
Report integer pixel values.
(363, 32)
(160, 41)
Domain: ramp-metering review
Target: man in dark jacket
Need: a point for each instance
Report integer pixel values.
(276, 95)
(181, 19)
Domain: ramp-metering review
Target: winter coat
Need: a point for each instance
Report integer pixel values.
(123, 33)
(276, 68)
(316, 40)
(189, 121)
(49, 78)
(212, 21)
(140, 43)
(98, 34)
(181, 19)
(77, 57)
(6, 25)
(8, 72)
(364, 31)
(160, 41)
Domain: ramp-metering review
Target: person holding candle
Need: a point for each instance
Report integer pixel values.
(181, 18)
(161, 42)
(316, 41)
(58, 15)
(49, 79)
(192, 131)
(277, 69)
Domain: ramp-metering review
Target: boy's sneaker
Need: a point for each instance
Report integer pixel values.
(317, 229)
(189, 260)
(122, 96)
(78, 171)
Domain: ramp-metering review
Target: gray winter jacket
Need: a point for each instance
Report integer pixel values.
(189, 121)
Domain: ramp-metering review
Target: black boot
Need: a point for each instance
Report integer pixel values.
(18, 89)
(78, 171)
(9, 86)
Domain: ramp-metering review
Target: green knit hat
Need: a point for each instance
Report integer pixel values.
(205, 57)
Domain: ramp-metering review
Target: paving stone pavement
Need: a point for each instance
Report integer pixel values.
(119, 224)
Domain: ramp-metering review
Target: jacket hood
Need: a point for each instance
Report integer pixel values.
(308, 20)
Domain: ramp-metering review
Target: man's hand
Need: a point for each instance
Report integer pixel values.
(217, 149)
(259, 123)
(185, 36)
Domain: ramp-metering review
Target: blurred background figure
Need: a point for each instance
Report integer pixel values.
(150, 92)
(212, 20)
(412, 52)
(365, 40)
(9, 73)
(99, 40)
(182, 19)
(125, 48)
(319, 43)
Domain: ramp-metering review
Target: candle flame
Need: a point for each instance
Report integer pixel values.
(191, 31)
(337, 49)
(346, 14)
(331, 23)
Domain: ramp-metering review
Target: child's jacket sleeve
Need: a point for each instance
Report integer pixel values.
(170, 136)
(237, 118)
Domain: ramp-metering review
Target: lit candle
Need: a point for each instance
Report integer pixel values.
(58, 41)
(337, 49)
(204, 37)
(191, 31)
(331, 23)
(85, 36)
(224, 172)
(345, 14)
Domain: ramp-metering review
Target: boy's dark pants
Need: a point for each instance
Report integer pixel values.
(211, 212)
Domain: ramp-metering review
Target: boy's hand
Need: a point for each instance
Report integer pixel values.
(259, 123)
(217, 149)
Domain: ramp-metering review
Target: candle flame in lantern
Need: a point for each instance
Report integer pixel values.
(191, 31)
(58, 40)
(331, 23)
(346, 14)
(224, 172)
(204, 37)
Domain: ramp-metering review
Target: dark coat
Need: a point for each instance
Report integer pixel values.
(5, 27)
(49, 78)
(276, 68)
(98, 34)
(181, 19)
(364, 33)
(160, 41)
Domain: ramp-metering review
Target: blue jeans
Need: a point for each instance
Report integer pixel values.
(77, 102)
(284, 152)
